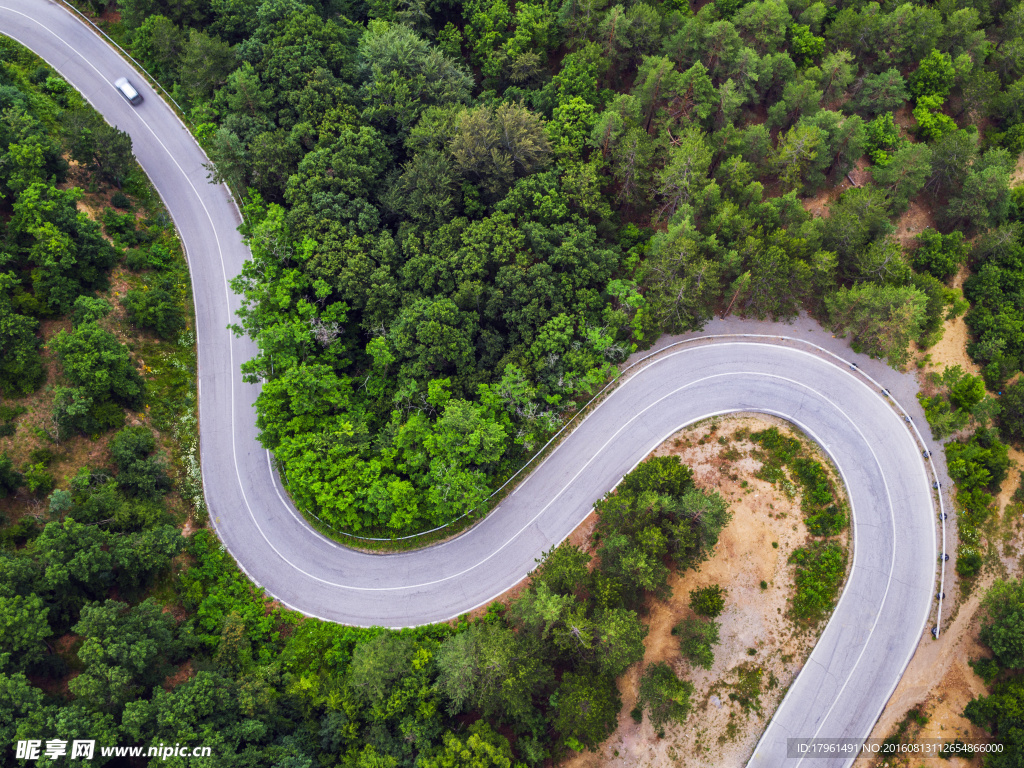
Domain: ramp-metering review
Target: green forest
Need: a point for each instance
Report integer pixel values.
(464, 215)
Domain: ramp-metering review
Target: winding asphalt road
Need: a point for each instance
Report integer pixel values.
(880, 617)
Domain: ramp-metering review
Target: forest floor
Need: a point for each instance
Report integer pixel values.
(761, 648)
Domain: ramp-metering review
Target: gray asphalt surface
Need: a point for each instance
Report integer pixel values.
(882, 613)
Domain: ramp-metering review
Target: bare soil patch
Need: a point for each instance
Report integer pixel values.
(1017, 177)
(756, 633)
(951, 349)
(917, 218)
(182, 673)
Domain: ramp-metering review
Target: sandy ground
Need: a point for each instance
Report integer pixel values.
(917, 218)
(755, 632)
(951, 349)
(1017, 177)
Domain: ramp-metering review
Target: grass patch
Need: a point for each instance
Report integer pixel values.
(747, 689)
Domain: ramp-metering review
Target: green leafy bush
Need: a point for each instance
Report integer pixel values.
(708, 601)
(89, 309)
(120, 200)
(820, 567)
(883, 139)
(987, 669)
(139, 473)
(934, 76)
(38, 480)
(101, 366)
(783, 449)
(815, 481)
(661, 474)
(1011, 419)
(931, 123)
(156, 306)
(697, 640)
(939, 255)
(10, 479)
(586, 709)
(665, 697)
(644, 522)
(829, 521)
(968, 562)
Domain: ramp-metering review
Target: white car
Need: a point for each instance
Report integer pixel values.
(128, 91)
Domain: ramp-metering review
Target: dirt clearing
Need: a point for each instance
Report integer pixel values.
(761, 649)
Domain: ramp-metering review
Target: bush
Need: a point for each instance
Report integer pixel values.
(697, 639)
(10, 479)
(38, 481)
(981, 462)
(665, 697)
(828, 522)
(986, 669)
(586, 709)
(932, 124)
(8, 414)
(21, 365)
(665, 475)
(564, 569)
(967, 392)
(120, 227)
(20, 533)
(782, 448)
(88, 309)
(154, 257)
(60, 502)
(820, 567)
(934, 76)
(120, 200)
(644, 523)
(708, 601)
(138, 473)
(817, 488)
(1002, 629)
(1002, 715)
(883, 138)
(11, 412)
(94, 360)
(1011, 417)
(968, 564)
(156, 308)
(939, 255)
